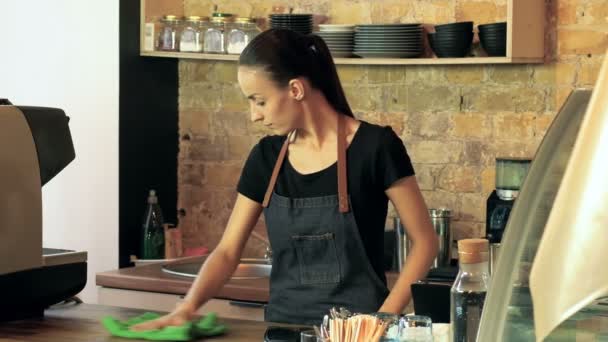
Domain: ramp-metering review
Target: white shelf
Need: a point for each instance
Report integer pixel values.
(190, 55)
(525, 38)
(359, 61)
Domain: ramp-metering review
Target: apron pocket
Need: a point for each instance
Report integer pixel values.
(318, 258)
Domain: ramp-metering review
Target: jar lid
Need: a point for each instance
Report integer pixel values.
(196, 18)
(244, 20)
(219, 20)
(170, 18)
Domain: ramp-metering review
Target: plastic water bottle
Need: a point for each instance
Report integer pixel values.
(153, 239)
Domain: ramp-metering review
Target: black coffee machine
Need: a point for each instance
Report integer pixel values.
(510, 175)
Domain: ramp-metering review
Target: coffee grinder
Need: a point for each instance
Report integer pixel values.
(510, 175)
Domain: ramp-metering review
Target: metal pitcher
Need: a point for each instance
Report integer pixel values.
(402, 245)
(440, 218)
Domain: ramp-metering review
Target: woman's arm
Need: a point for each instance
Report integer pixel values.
(224, 259)
(218, 267)
(409, 203)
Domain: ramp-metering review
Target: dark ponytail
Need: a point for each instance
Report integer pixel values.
(286, 55)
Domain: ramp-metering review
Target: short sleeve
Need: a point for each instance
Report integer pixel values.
(255, 176)
(392, 160)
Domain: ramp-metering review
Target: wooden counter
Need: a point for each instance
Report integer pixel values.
(82, 322)
(151, 278)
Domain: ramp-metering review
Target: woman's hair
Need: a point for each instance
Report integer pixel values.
(286, 54)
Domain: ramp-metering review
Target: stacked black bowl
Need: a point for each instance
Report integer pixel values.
(493, 38)
(452, 40)
(301, 23)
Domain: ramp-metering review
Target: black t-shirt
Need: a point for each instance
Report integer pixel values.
(376, 158)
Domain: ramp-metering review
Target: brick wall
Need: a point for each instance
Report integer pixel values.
(454, 120)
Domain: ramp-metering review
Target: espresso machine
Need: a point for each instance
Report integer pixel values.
(35, 145)
(510, 175)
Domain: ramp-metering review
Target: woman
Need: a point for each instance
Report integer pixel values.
(325, 218)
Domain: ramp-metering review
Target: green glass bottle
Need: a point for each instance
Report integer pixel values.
(153, 235)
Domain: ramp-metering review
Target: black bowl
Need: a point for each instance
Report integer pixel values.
(443, 49)
(456, 41)
(304, 32)
(500, 40)
(463, 40)
(493, 42)
(451, 53)
(493, 33)
(292, 27)
(496, 53)
(285, 15)
(493, 26)
(291, 19)
(460, 26)
(451, 47)
(459, 38)
(447, 50)
(492, 29)
(303, 22)
(454, 33)
(290, 23)
(493, 37)
(494, 48)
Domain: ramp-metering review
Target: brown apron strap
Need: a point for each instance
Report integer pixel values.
(275, 172)
(342, 177)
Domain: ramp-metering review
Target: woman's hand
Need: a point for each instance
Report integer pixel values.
(412, 210)
(182, 314)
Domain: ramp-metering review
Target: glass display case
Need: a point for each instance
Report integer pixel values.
(550, 235)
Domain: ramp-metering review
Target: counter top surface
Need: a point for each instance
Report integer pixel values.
(151, 278)
(82, 322)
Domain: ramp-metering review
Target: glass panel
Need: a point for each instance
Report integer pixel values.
(510, 318)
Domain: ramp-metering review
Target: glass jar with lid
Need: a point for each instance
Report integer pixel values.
(214, 39)
(240, 33)
(191, 38)
(168, 39)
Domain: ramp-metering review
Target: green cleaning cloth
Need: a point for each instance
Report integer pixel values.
(206, 326)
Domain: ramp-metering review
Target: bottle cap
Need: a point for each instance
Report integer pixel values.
(152, 199)
(472, 251)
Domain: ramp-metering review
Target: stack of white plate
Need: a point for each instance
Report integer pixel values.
(388, 40)
(339, 39)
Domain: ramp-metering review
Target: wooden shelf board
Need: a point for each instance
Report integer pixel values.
(360, 61)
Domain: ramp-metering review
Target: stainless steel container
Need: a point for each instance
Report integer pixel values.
(440, 218)
(403, 243)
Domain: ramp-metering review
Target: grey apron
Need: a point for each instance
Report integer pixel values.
(318, 257)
